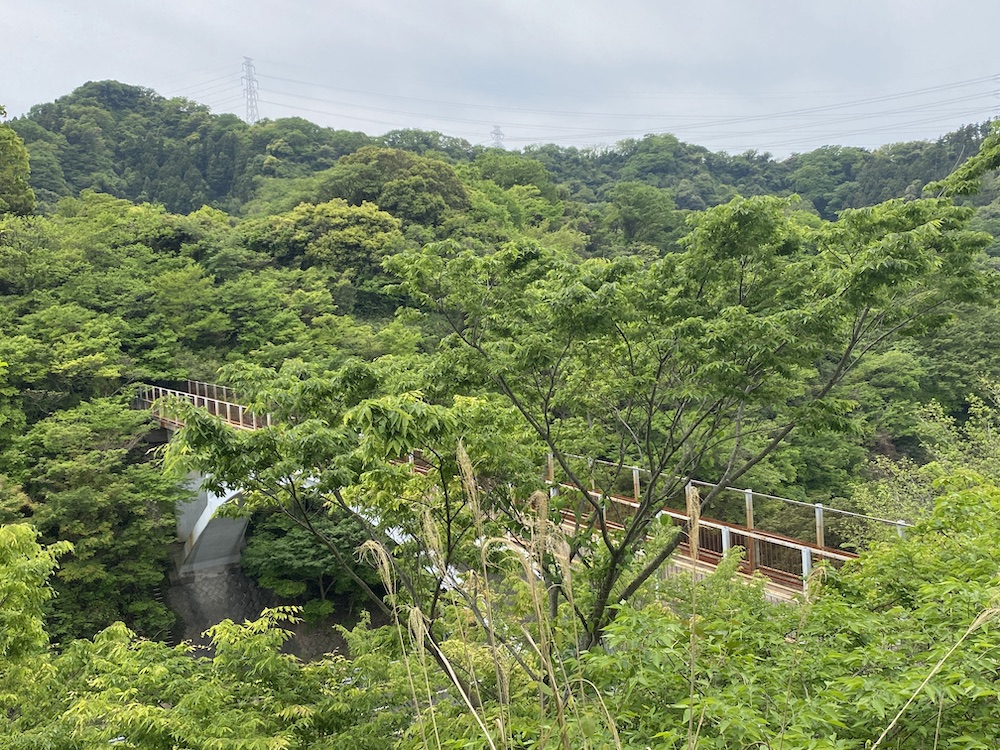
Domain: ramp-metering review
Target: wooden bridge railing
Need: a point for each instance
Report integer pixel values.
(784, 560)
(740, 508)
(206, 396)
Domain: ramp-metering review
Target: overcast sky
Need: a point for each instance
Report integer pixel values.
(771, 75)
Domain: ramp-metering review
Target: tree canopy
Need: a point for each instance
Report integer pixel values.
(425, 321)
(16, 195)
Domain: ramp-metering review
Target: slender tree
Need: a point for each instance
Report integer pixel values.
(702, 362)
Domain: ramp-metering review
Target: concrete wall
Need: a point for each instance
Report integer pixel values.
(188, 513)
(209, 542)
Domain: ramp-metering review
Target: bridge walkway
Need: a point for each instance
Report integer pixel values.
(784, 560)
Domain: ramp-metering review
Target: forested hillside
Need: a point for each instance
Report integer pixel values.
(132, 143)
(820, 327)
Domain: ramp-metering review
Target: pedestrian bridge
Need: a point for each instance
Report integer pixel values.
(209, 542)
(783, 539)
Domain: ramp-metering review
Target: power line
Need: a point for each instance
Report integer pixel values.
(828, 138)
(213, 89)
(409, 113)
(575, 132)
(389, 124)
(803, 125)
(896, 128)
(201, 72)
(824, 125)
(469, 105)
(226, 103)
(195, 87)
(794, 113)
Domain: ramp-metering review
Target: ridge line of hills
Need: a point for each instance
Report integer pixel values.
(132, 143)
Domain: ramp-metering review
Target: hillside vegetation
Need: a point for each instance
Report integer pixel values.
(819, 327)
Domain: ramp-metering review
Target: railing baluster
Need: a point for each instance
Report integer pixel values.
(751, 542)
(694, 519)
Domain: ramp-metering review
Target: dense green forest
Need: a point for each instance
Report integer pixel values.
(820, 327)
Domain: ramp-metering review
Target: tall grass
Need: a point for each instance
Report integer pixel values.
(523, 648)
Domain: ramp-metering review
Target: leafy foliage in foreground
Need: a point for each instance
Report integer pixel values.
(84, 481)
(834, 672)
(902, 643)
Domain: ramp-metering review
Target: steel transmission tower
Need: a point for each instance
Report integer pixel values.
(250, 90)
(497, 135)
